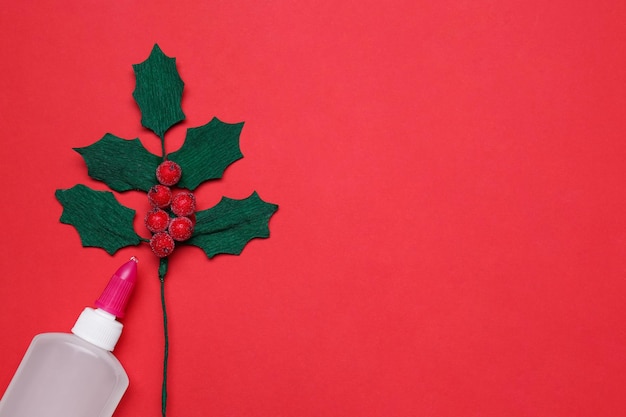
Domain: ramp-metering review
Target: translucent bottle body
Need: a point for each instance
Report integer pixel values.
(63, 375)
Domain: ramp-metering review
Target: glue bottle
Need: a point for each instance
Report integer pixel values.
(75, 374)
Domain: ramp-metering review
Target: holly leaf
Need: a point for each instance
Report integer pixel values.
(207, 151)
(231, 224)
(99, 219)
(158, 92)
(121, 164)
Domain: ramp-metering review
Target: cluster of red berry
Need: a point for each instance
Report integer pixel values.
(177, 223)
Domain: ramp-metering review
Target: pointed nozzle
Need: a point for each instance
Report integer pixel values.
(116, 294)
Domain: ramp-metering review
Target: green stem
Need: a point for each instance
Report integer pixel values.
(163, 146)
(162, 273)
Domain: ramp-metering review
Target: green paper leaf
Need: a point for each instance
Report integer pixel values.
(231, 224)
(158, 92)
(121, 164)
(207, 151)
(99, 219)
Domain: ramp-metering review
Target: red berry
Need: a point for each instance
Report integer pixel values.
(184, 204)
(168, 173)
(180, 228)
(160, 196)
(157, 220)
(162, 244)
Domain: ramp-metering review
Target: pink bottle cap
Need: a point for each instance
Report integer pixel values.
(116, 294)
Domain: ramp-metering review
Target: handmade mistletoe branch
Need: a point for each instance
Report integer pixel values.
(123, 165)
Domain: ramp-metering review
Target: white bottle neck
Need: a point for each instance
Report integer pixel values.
(98, 328)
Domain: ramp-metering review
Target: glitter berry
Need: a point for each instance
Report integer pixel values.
(168, 173)
(157, 220)
(180, 228)
(184, 204)
(162, 244)
(160, 196)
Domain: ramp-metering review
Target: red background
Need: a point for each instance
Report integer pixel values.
(451, 232)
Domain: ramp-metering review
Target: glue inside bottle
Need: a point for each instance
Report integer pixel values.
(75, 374)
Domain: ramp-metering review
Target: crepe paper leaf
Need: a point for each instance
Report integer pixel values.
(207, 151)
(158, 92)
(99, 219)
(121, 164)
(231, 224)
